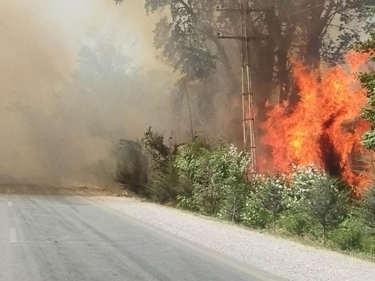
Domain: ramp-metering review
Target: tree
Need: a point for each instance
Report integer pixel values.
(368, 208)
(270, 196)
(368, 81)
(311, 31)
(303, 29)
(156, 150)
(325, 203)
(368, 139)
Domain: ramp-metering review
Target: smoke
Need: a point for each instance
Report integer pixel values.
(60, 107)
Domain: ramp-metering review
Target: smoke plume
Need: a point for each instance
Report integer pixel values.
(57, 123)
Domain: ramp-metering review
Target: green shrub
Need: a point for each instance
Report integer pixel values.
(229, 177)
(368, 244)
(368, 207)
(326, 204)
(217, 173)
(192, 164)
(296, 223)
(254, 216)
(315, 195)
(302, 181)
(269, 195)
(349, 234)
(165, 185)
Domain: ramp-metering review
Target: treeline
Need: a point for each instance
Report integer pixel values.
(209, 177)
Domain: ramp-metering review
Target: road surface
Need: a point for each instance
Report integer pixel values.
(46, 234)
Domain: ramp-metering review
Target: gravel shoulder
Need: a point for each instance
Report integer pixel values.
(275, 255)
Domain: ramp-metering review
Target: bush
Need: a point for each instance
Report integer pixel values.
(368, 244)
(192, 165)
(269, 195)
(326, 204)
(166, 186)
(217, 173)
(349, 234)
(132, 168)
(254, 216)
(156, 151)
(368, 208)
(302, 181)
(143, 167)
(229, 177)
(297, 223)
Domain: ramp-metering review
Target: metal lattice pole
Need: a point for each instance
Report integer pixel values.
(248, 106)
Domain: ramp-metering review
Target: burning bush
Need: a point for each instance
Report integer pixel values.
(325, 127)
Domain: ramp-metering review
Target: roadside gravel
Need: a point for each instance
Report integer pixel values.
(277, 256)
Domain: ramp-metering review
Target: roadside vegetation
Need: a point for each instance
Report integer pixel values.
(210, 178)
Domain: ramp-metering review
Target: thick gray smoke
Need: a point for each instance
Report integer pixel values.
(71, 85)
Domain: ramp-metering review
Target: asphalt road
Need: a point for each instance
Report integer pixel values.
(47, 235)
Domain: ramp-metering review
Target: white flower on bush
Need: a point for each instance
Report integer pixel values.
(302, 180)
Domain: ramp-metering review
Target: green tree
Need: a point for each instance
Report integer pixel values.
(326, 204)
(269, 196)
(368, 207)
(217, 173)
(368, 81)
(368, 139)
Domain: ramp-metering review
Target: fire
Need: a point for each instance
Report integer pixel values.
(325, 127)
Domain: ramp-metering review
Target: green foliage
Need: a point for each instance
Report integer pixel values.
(295, 219)
(368, 82)
(255, 216)
(269, 196)
(210, 178)
(217, 173)
(368, 207)
(230, 167)
(297, 223)
(303, 180)
(354, 235)
(166, 186)
(368, 244)
(326, 204)
(349, 234)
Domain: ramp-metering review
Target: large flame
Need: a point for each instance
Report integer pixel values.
(325, 127)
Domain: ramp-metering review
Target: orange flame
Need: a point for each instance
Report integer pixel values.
(325, 127)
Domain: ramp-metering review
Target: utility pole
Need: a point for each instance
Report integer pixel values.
(248, 107)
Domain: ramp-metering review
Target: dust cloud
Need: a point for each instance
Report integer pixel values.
(59, 115)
